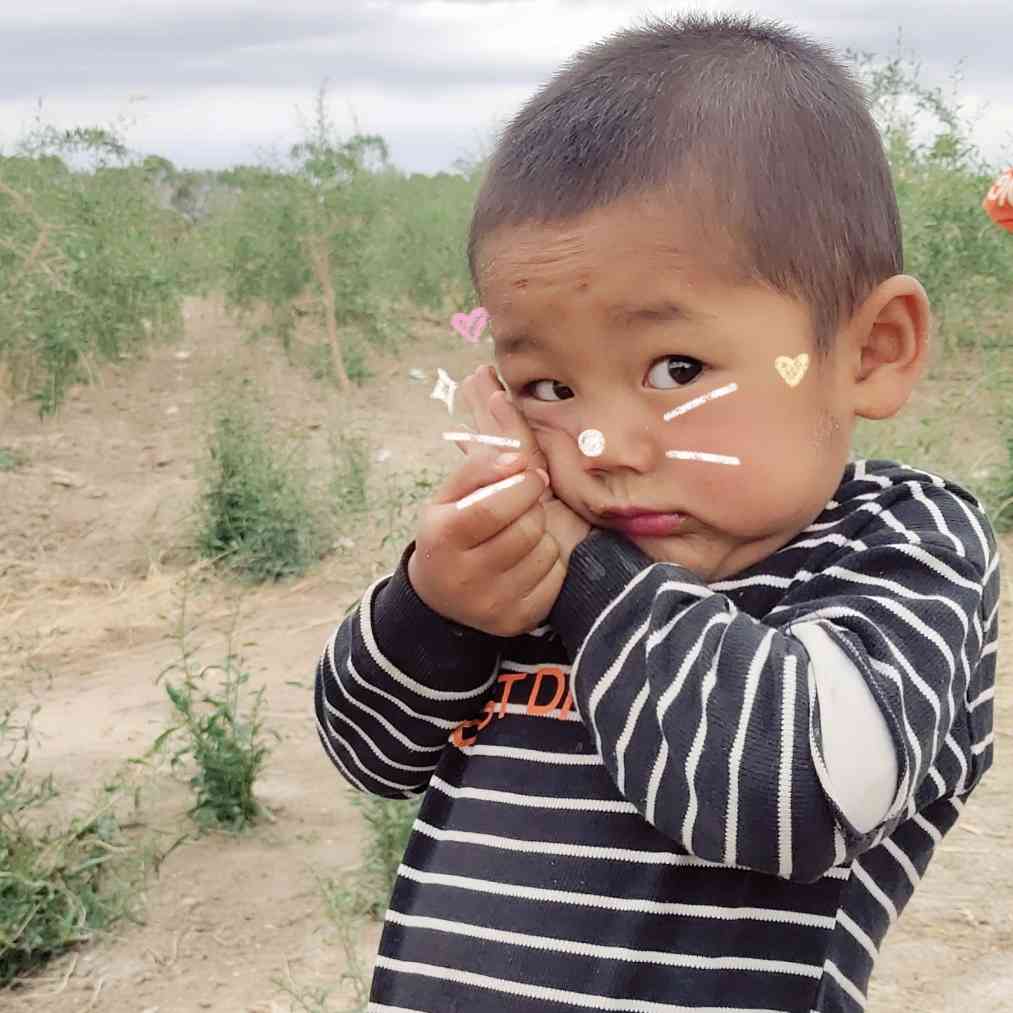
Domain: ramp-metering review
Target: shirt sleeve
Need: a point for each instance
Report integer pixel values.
(858, 749)
(394, 680)
(709, 720)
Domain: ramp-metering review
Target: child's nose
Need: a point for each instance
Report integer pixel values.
(619, 443)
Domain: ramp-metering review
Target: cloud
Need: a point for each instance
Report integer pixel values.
(401, 45)
(430, 75)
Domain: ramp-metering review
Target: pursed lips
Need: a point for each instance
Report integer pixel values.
(641, 521)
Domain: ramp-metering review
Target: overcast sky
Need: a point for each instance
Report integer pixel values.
(211, 83)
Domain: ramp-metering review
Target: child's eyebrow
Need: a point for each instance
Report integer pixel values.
(664, 311)
(624, 314)
(514, 344)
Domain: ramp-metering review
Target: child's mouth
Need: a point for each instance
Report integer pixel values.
(652, 524)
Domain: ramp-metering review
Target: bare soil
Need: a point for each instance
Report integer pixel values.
(95, 530)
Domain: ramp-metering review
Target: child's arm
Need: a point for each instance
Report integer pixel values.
(420, 651)
(709, 720)
(393, 682)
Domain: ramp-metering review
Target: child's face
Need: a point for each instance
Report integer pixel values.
(604, 323)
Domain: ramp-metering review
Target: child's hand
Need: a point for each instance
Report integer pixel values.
(492, 413)
(492, 564)
(495, 415)
(568, 528)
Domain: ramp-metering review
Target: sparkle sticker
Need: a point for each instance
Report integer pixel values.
(591, 442)
(792, 370)
(470, 325)
(444, 390)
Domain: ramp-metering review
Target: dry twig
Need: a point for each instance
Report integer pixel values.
(95, 995)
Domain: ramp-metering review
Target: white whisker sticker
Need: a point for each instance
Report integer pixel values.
(699, 455)
(490, 490)
(730, 388)
(492, 441)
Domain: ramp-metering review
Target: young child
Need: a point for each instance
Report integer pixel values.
(691, 722)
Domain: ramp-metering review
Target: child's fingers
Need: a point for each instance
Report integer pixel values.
(484, 397)
(482, 514)
(482, 497)
(509, 421)
(479, 470)
(528, 575)
(526, 591)
(494, 415)
(536, 605)
(508, 547)
(474, 393)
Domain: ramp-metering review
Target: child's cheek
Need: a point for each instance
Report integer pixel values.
(551, 434)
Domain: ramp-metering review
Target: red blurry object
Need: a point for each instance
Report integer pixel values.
(998, 202)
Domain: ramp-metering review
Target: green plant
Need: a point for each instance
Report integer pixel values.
(964, 261)
(350, 475)
(343, 907)
(255, 511)
(361, 893)
(999, 494)
(353, 357)
(11, 458)
(959, 424)
(403, 496)
(60, 882)
(89, 270)
(301, 240)
(219, 735)
(1003, 516)
(388, 827)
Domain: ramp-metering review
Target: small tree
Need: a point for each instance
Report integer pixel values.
(87, 271)
(301, 237)
(965, 263)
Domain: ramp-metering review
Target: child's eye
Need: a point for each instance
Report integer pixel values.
(674, 371)
(549, 390)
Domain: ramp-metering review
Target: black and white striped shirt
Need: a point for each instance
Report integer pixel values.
(628, 809)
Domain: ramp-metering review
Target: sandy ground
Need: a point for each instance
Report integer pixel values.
(93, 552)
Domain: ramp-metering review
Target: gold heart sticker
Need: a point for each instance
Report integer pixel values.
(792, 370)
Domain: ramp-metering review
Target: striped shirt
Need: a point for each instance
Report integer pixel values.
(628, 808)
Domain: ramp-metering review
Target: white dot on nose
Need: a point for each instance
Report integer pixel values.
(591, 442)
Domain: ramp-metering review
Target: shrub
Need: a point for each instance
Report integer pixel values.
(218, 733)
(388, 825)
(300, 240)
(349, 477)
(404, 496)
(59, 882)
(227, 748)
(964, 261)
(87, 266)
(255, 512)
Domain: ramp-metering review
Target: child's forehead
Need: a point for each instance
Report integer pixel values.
(630, 242)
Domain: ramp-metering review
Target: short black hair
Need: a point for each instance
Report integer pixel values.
(763, 134)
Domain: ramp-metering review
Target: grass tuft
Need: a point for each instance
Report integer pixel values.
(255, 513)
(218, 735)
(60, 883)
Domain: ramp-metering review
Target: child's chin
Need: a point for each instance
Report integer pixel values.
(680, 552)
(667, 549)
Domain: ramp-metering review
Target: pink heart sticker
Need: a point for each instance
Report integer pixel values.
(470, 325)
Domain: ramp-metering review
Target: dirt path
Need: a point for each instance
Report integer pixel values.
(92, 549)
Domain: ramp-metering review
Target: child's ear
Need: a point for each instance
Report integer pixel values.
(889, 340)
